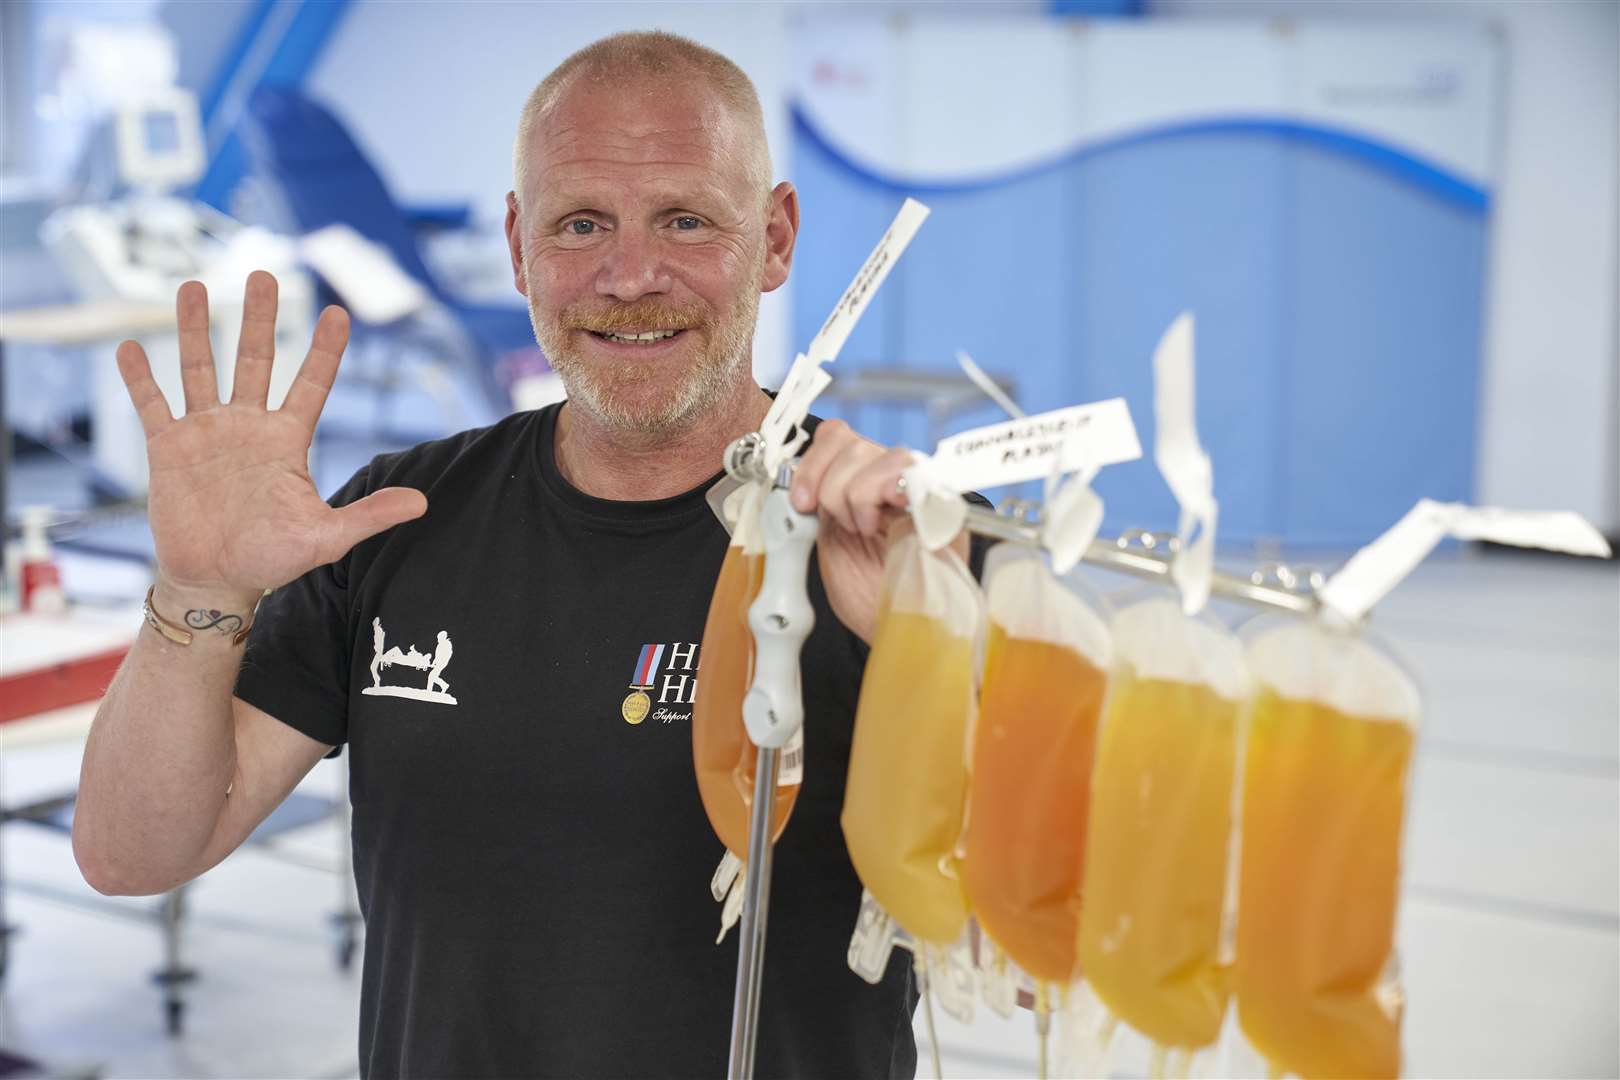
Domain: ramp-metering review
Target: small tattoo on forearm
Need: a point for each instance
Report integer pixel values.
(212, 619)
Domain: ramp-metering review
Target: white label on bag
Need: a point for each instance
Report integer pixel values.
(1074, 513)
(731, 910)
(1035, 447)
(724, 874)
(791, 770)
(873, 940)
(836, 330)
(1183, 463)
(937, 509)
(1380, 566)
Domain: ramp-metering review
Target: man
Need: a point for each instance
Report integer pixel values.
(377, 639)
(441, 657)
(532, 868)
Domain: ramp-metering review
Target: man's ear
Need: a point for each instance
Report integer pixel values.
(514, 243)
(781, 232)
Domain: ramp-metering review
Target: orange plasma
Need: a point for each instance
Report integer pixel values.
(907, 778)
(721, 750)
(1156, 858)
(1324, 794)
(1029, 794)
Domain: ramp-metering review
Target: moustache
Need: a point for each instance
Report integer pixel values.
(634, 316)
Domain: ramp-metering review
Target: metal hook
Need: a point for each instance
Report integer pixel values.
(1026, 511)
(1301, 580)
(1149, 541)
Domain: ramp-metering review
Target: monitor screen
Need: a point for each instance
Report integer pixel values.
(160, 140)
(161, 132)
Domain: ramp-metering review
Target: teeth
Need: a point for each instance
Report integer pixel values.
(649, 336)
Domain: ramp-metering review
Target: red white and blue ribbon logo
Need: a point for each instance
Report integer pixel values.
(647, 665)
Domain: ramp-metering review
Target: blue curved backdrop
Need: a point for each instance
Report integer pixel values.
(1337, 286)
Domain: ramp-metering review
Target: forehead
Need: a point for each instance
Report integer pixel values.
(669, 130)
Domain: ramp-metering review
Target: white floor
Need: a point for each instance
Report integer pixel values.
(1510, 930)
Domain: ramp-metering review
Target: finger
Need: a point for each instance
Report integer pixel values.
(150, 404)
(196, 352)
(832, 498)
(875, 489)
(382, 509)
(831, 437)
(307, 395)
(256, 346)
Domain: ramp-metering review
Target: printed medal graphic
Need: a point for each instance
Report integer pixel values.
(636, 702)
(436, 690)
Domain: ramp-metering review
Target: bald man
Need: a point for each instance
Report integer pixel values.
(531, 853)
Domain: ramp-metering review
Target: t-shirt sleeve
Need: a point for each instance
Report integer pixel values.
(296, 667)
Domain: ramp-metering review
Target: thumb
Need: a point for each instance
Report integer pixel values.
(382, 509)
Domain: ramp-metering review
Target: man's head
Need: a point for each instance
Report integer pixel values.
(643, 228)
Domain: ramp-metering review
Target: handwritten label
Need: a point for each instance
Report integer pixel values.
(805, 379)
(847, 312)
(1035, 447)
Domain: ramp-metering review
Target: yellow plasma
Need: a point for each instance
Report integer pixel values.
(1028, 799)
(907, 777)
(1156, 858)
(1323, 798)
(721, 749)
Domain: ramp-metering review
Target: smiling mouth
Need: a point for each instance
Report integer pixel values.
(646, 337)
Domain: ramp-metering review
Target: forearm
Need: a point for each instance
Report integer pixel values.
(161, 754)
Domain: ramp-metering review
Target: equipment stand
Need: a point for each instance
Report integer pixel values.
(756, 907)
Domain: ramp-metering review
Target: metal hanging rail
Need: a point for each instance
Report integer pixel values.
(1134, 553)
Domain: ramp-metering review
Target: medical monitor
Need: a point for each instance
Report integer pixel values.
(160, 140)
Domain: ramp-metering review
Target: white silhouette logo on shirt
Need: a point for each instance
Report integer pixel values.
(434, 665)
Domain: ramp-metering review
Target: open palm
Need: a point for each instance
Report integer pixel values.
(231, 502)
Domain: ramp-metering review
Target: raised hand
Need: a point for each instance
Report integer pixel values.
(232, 507)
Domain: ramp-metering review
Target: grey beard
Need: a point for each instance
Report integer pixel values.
(676, 414)
(595, 390)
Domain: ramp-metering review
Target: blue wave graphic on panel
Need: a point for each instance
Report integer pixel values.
(1423, 174)
(1339, 314)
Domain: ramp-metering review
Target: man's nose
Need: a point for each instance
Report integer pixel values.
(633, 268)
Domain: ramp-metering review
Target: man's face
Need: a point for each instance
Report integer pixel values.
(642, 246)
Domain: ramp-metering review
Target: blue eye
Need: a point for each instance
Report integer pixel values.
(686, 223)
(581, 227)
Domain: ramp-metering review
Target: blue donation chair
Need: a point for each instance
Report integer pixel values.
(320, 177)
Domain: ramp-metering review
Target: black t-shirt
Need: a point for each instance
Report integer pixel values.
(533, 869)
